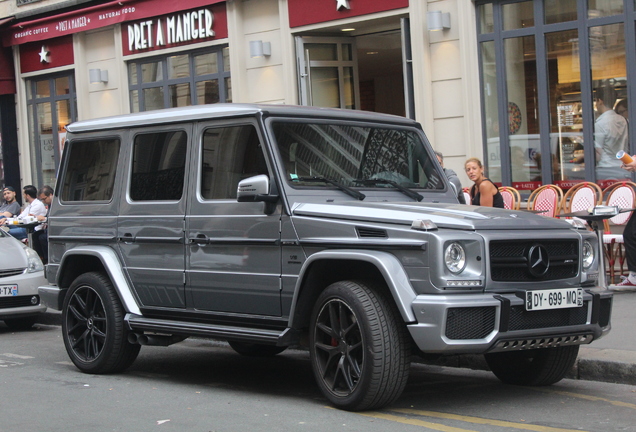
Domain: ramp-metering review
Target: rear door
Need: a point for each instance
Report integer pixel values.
(233, 251)
(150, 229)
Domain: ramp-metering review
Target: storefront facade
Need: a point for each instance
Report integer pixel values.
(510, 82)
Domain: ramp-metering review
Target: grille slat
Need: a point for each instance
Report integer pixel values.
(11, 272)
(509, 260)
(520, 319)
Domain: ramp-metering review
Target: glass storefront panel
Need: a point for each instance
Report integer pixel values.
(322, 52)
(518, 15)
(208, 92)
(134, 101)
(42, 89)
(153, 98)
(62, 86)
(151, 72)
(226, 59)
(523, 123)
(609, 84)
(347, 55)
(486, 24)
(325, 89)
(180, 95)
(178, 66)
(132, 73)
(228, 90)
(206, 64)
(557, 11)
(566, 109)
(349, 90)
(46, 145)
(602, 8)
(490, 101)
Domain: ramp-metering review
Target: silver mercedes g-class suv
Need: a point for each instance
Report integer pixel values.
(335, 230)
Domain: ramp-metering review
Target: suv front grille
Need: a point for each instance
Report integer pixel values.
(509, 260)
(11, 272)
(520, 319)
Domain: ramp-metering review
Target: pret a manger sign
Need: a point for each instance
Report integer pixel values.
(190, 27)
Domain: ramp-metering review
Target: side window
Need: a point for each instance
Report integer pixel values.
(158, 166)
(90, 170)
(230, 154)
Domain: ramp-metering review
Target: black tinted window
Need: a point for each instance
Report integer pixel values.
(158, 166)
(230, 154)
(90, 170)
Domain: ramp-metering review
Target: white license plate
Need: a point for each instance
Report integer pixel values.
(8, 290)
(554, 299)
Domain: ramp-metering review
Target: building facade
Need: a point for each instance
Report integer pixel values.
(514, 83)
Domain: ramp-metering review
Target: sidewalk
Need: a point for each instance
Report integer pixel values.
(609, 359)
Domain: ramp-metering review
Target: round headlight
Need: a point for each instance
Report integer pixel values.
(588, 255)
(455, 258)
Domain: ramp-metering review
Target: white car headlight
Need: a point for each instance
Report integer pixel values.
(34, 263)
(588, 255)
(455, 258)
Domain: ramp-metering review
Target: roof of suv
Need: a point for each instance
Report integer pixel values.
(202, 112)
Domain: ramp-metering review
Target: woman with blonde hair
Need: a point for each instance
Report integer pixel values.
(484, 192)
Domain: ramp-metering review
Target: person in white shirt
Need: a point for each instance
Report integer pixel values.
(33, 207)
(610, 135)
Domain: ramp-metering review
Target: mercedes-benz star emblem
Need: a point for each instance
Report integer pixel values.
(538, 261)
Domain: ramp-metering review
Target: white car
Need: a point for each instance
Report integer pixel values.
(21, 272)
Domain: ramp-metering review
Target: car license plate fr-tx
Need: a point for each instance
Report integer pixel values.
(8, 290)
(554, 299)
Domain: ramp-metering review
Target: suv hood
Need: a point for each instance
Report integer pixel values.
(453, 216)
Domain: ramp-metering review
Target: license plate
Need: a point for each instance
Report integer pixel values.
(8, 290)
(554, 299)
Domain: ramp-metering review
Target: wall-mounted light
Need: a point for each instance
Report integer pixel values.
(97, 76)
(437, 20)
(258, 48)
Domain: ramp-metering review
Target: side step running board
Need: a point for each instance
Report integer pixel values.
(138, 323)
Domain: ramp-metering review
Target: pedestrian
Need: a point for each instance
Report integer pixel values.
(41, 237)
(484, 192)
(610, 134)
(33, 208)
(452, 177)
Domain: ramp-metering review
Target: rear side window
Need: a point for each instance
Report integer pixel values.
(158, 166)
(90, 170)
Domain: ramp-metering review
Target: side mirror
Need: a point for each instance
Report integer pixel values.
(256, 189)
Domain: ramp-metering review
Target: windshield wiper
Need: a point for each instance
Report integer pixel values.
(354, 193)
(406, 191)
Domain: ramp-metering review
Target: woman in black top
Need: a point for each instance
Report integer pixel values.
(484, 192)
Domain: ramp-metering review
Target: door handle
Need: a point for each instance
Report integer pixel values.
(200, 240)
(127, 238)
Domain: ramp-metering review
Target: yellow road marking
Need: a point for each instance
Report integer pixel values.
(479, 420)
(588, 397)
(413, 422)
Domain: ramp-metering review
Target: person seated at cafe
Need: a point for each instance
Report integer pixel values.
(41, 237)
(10, 207)
(34, 207)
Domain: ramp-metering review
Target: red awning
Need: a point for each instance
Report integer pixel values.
(94, 17)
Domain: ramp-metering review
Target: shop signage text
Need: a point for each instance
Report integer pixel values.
(188, 27)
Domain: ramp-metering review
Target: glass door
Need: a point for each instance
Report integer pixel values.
(52, 104)
(328, 72)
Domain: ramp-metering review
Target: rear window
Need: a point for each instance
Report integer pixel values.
(90, 170)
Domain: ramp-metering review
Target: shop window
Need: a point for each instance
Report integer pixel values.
(553, 72)
(193, 78)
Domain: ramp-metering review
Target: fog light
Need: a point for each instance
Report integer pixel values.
(35, 300)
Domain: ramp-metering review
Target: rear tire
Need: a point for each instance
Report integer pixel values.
(536, 367)
(359, 347)
(256, 350)
(24, 323)
(93, 326)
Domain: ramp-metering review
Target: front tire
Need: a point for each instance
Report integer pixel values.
(93, 326)
(359, 347)
(536, 367)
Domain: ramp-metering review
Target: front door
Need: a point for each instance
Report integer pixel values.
(233, 262)
(328, 72)
(150, 229)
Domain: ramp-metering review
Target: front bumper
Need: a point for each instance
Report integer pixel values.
(27, 302)
(492, 322)
(52, 296)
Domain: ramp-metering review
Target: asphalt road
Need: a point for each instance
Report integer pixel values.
(198, 385)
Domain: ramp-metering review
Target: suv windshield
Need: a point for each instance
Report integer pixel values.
(352, 154)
